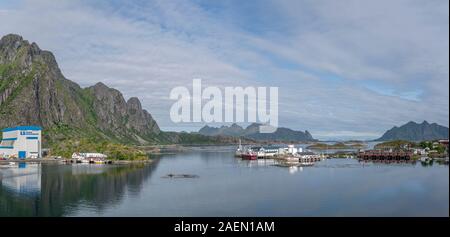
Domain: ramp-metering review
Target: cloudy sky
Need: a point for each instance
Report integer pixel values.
(345, 69)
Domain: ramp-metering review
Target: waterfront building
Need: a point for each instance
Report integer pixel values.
(268, 151)
(444, 142)
(271, 151)
(292, 149)
(21, 142)
(420, 151)
(89, 157)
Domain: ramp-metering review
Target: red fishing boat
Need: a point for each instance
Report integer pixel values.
(249, 155)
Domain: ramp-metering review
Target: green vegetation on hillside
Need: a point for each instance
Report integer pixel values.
(34, 92)
(396, 144)
(440, 149)
(434, 148)
(115, 151)
(338, 145)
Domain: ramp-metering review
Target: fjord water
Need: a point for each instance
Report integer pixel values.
(225, 186)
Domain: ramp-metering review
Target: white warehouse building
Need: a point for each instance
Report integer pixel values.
(21, 142)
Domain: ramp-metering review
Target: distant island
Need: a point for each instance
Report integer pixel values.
(337, 145)
(413, 131)
(252, 132)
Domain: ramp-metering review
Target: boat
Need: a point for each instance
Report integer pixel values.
(249, 155)
(425, 159)
(239, 150)
(98, 161)
(291, 159)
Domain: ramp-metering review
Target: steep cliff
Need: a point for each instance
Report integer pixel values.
(33, 91)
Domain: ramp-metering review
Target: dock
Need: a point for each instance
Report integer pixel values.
(385, 155)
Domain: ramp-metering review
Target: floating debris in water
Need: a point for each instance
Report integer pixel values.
(185, 176)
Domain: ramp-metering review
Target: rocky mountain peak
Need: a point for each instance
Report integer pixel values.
(12, 42)
(413, 131)
(33, 91)
(100, 86)
(14, 50)
(134, 104)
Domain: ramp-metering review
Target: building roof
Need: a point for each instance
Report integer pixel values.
(265, 148)
(34, 128)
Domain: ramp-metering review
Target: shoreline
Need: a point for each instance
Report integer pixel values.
(67, 161)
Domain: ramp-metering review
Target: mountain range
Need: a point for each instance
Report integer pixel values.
(252, 132)
(413, 131)
(33, 91)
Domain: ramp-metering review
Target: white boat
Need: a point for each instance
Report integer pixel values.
(425, 159)
(291, 159)
(239, 150)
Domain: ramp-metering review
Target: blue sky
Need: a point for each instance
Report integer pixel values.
(345, 69)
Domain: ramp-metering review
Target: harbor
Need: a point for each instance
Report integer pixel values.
(189, 184)
(386, 155)
(285, 156)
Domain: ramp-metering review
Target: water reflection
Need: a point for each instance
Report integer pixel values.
(59, 190)
(22, 178)
(260, 163)
(226, 186)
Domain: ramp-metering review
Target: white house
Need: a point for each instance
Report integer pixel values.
(89, 156)
(292, 149)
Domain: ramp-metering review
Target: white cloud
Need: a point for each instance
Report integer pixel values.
(146, 48)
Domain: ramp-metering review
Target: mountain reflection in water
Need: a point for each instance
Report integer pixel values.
(212, 182)
(58, 190)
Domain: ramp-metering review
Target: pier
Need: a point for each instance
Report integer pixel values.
(385, 155)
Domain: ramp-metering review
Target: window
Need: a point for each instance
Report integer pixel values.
(7, 143)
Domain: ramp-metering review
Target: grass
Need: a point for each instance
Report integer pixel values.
(115, 151)
(397, 144)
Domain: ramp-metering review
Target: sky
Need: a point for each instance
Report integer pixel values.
(348, 69)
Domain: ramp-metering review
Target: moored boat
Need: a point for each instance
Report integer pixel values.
(249, 155)
(239, 152)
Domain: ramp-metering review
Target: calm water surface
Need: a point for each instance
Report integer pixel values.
(226, 186)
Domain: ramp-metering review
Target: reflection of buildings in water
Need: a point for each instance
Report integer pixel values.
(295, 169)
(63, 187)
(25, 178)
(388, 162)
(257, 163)
(266, 163)
(79, 169)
